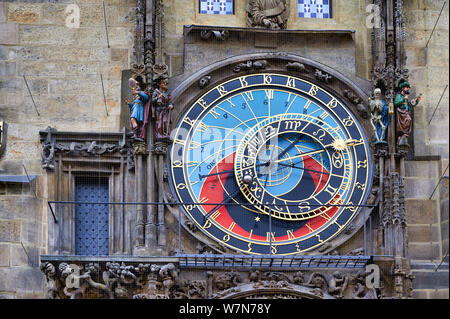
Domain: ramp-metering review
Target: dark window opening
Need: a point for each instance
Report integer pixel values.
(91, 220)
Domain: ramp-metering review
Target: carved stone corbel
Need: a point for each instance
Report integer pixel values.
(323, 77)
(218, 35)
(140, 148)
(204, 81)
(227, 280)
(337, 284)
(360, 108)
(360, 291)
(48, 150)
(52, 285)
(296, 67)
(251, 65)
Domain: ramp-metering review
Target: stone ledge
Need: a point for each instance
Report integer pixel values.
(193, 27)
(430, 294)
(112, 258)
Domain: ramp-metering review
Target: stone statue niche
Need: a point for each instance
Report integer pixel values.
(403, 105)
(270, 14)
(161, 110)
(139, 108)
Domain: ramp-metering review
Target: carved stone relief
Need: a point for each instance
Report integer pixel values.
(250, 65)
(270, 14)
(116, 280)
(51, 147)
(218, 35)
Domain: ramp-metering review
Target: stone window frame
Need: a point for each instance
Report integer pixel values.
(81, 154)
(331, 5)
(198, 3)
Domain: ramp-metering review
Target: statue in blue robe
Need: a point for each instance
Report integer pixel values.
(138, 113)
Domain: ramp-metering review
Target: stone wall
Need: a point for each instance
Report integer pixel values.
(428, 69)
(62, 66)
(347, 15)
(428, 217)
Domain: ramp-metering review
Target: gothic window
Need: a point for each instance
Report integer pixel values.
(319, 9)
(216, 6)
(91, 220)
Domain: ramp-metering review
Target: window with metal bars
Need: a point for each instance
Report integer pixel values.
(91, 220)
(216, 6)
(318, 9)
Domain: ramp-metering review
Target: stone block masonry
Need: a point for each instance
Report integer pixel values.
(62, 66)
(428, 73)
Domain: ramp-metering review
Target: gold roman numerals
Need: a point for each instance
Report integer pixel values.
(290, 234)
(270, 235)
(248, 96)
(215, 114)
(202, 127)
(269, 94)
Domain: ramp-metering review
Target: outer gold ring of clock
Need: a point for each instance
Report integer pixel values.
(353, 152)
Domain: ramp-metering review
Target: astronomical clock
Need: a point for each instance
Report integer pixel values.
(270, 164)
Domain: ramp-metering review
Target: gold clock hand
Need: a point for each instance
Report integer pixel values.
(338, 145)
(301, 155)
(218, 173)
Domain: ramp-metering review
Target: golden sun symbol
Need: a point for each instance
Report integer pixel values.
(339, 145)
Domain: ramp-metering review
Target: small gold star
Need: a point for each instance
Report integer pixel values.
(257, 219)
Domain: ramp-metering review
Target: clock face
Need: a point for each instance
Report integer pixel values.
(278, 165)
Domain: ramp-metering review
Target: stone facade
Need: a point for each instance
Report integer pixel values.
(63, 68)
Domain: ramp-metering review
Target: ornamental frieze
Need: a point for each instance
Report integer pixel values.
(132, 280)
(84, 144)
